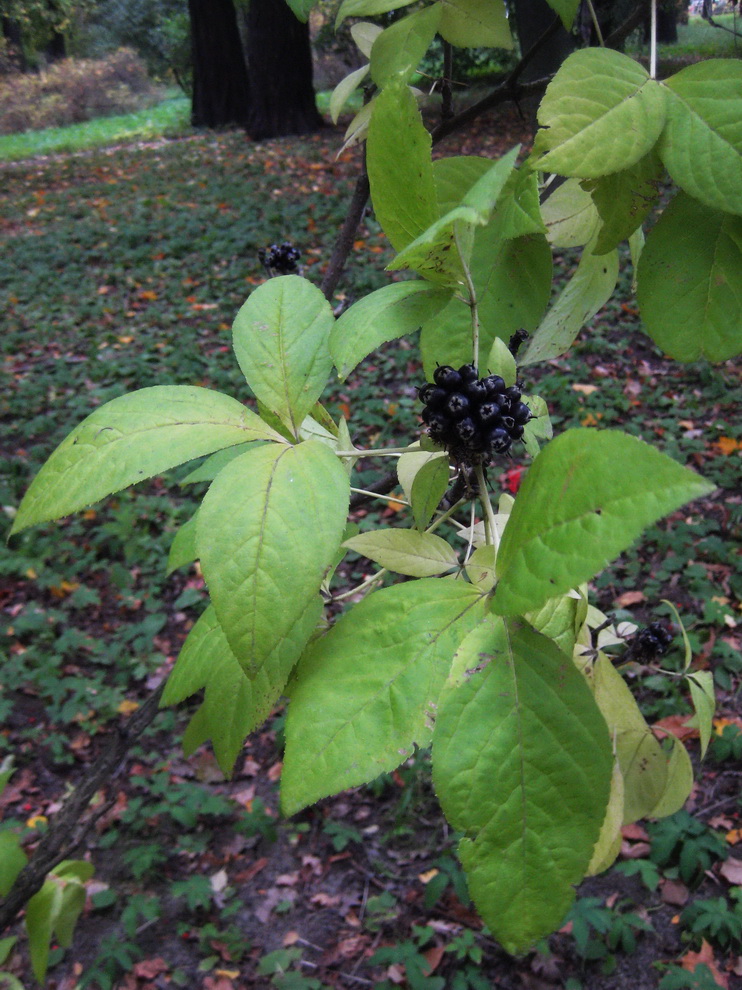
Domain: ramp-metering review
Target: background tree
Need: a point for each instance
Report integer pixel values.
(221, 90)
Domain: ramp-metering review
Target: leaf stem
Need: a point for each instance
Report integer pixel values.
(490, 526)
(367, 584)
(596, 25)
(387, 498)
(413, 448)
(445, 515)
(472, 300)
(653, 42)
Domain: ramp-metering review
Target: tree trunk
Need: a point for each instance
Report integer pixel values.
(279, 64)
(667, 24)
(221, 91)
(532, 18)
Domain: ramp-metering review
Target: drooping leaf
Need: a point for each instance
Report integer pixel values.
(131, 439)
(262, 562)
(701, 145)
(344, 89)
(609, 841)
(586, 497)
(690, 282)
(560, 619)
(440, 253)
(301, 8)
(475, 23)
(480, 568)
(383, 315)
(55, 910)
(364, 34)
(586, 292)
(570, 215)
(428, 488)
(208, 469)
(522, 766)
(644, 766)
(12, 860)
(367, 8)
(406, 551)
(512, 279)
(540, 427)
(409, 465)
(678, 784)
(402, 187)
(567, 10)
(365, 693)
(398, 50)
(183, 547)
(601, 113)
(701, 684)
(624, 199)
(281, 342)
(501, 362)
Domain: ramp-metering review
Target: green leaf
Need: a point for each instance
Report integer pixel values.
(701, 684)
(398, 50)
(538, 428)
(512, 279)
(570, 215)
(405, 551)
(522, 765)
(6, 946)
(586, 497)
(234, 705)
(600, 114)
(183, 547)
(679, 782)
(608, 845)
(454, 176)
(262, 562)
(281, 337)
(440, 251)
(208, 469)
(344, 89)
(364, 34)
(518, 208)
(701, 145)
(690, 282)
(428, 488)
(567, 10)
(367, 8)
(42, 912)
(364, 694)
(388, 313)
(131, 439)
(624, 200)
(475, 24)
(586, 292)
(409, 465)
(480, 568)
(12, 860)
(501, 362)
(560, 619)
(402, 187)
(644, 766)
(301, 8)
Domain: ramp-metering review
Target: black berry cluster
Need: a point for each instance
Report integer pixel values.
(649, 643)
(281, 258)
(473, 418)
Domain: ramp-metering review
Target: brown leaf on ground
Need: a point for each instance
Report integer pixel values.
(149, 969)
(705, 957)
(674, 892)
(677, 725)
(630, 598)
(731, 870)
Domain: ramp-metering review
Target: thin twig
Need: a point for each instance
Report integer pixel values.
(67, 832)
(347, 235)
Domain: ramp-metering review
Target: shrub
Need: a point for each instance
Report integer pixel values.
(72, 91)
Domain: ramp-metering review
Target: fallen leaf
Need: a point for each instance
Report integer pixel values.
(731, 870)
(706, 957)
(149, 969)
(584, 389)
(674, 892)
(733, 836)
(677, 725)
(630, 598)
(126, 707)
(635, 850)
(428, 875)
(635, 832)
(727, 445)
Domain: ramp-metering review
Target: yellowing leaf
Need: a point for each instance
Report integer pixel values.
(126, 707)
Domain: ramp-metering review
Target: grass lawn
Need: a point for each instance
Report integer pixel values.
(124, 268)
